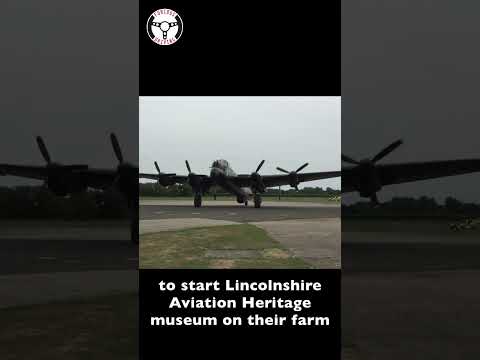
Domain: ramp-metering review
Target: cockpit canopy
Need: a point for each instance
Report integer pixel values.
(220, 164)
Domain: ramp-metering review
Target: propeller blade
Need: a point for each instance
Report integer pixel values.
(283, 170)
(156, 166)
(349, 160)
(387, 150)
(116, 148)
(188, 166)
(260, 166)
(302, 167)
(43, 149)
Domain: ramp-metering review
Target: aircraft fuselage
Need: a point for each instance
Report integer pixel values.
(220, 173)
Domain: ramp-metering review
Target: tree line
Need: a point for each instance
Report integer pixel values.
(37, 202)
(408, 206)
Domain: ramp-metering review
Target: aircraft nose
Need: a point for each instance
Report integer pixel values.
(215, 172)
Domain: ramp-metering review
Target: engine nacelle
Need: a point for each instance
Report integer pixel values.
(63, 184)
(241, 199)
(166, 181)
(63, 188)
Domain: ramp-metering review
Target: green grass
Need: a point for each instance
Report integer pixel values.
(230, 246)
(101, 328)
(312, 199)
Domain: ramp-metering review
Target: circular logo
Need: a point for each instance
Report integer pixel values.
(164, 27)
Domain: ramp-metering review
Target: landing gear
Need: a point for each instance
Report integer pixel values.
(197, 201)
(246, 202)
(134, 231)
(134, 221)
(257, 200)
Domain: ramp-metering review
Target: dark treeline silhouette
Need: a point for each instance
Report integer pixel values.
(157, 190)
(37, 202)
(407, 206)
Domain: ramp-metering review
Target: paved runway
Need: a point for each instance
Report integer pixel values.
(311, 231)
(409, 290)
(406, 245)
(40, 247)
(42, 256)
(43, 261)
(229, 210)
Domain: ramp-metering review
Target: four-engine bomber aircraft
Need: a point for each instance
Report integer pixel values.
(367, 178)
(242, 186)
(64, 180)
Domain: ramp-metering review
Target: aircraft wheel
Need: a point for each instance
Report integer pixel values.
(197, 201)
(246, 203)
(258, 201)
(134, 234)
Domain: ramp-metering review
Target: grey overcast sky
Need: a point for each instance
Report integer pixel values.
(410, 69)
(73, 80)
(285, 131)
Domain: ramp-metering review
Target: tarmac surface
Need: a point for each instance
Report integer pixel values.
(27, 289)
(309, 230)
(318, 241)
(409, 290)
(229, 210)
(43, 261)
(42, 247)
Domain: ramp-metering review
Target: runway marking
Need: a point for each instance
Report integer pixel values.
(231, 213)
(195, 213)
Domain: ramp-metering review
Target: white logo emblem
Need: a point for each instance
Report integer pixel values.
(164, 27)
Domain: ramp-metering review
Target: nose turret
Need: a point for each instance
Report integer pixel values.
(216, 172)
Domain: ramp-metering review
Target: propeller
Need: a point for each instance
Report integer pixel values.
(387, 150)
(256, 178)
(156, 166)
(160, 173)
(194, 180)
(116, 148)
(127, 174)
(350, 160)
(260, 166)
(371, 183)
(164, 179)
(384, 152)
(43, 150)
(55, 166)
(60, 179)
(293, 175)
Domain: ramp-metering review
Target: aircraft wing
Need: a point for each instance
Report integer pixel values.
(31, 172)
(148, 176)
(406, 172)
(277, 180)
(175, 179)
(98, 178)
(94, 178)
(168, 179)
